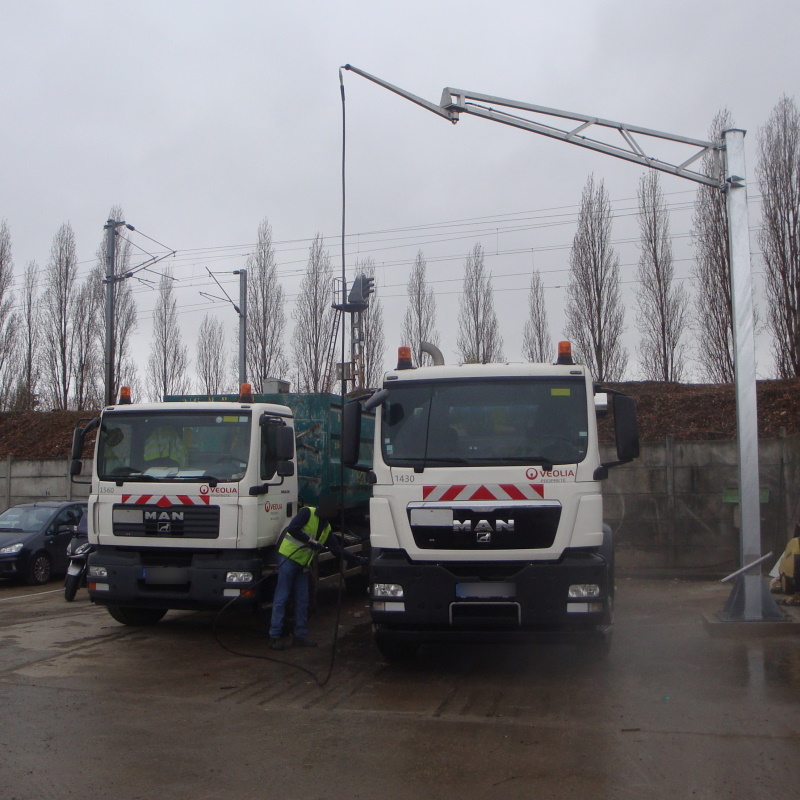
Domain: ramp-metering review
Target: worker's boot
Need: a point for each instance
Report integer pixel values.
(276, 644)
(302, 641)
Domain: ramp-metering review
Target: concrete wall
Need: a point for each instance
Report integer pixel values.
(666, 508)
(28, 480)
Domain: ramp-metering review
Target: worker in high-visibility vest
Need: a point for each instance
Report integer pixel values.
(165, 447)
(307, 534)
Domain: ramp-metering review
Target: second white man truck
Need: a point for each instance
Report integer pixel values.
(486, 514)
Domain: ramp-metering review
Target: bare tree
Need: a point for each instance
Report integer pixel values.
(210, 362)
(712, 271)
(779, 178)
(419, 323)
(479, 340)
(536, 344)
(87, 355)
(8, 319)
(374, 344)
(59, 291)
(29, 341)
(314, 322)
(663, 304)
(169, 360)
(595, 314)
(266, 318)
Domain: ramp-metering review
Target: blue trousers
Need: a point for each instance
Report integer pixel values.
(292, 582)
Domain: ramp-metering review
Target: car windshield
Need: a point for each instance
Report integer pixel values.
(184, 445)
(25, 519)
(521, 421)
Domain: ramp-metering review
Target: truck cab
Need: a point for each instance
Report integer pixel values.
(487, 511)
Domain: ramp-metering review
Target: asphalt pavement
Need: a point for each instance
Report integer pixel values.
(91, 708)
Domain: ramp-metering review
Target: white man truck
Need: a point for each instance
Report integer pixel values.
(189, 497)
(487, 515)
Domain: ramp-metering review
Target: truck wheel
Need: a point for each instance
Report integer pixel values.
(40, 570)
(598, 641)
(394, 650)
(607, 552)
(136, 616)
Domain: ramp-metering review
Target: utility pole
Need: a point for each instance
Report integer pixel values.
(110, 279)
(243, 327)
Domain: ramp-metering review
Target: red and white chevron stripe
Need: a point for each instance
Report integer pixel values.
(165, 500)
(487, 491)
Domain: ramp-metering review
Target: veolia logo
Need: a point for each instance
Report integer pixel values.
(534, 473)
(204, 489)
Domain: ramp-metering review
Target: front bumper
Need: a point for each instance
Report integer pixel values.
(165, 579)
(489, 596)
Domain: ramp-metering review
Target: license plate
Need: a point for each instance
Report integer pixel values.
(486, 590)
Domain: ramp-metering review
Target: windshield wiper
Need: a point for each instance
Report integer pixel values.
(139, 477)
(539, 461)
(211, 480)
(445, 460)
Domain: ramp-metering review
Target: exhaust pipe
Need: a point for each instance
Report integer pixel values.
(434, 352)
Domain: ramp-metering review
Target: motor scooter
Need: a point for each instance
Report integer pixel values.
(78, 553)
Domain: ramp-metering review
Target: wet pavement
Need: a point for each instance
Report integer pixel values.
(92, 708)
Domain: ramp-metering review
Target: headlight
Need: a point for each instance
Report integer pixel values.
(387, 590)
(239, 577)
(12, 548)
(98, 572)
(84, 548)
(583, 591)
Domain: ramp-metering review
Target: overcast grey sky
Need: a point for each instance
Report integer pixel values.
(202, 118)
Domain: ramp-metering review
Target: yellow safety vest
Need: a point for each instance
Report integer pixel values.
(300, 551)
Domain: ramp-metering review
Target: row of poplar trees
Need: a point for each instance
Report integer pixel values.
(52, 331)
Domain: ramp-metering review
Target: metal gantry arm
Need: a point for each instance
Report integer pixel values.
(460, 101)
(750, 600)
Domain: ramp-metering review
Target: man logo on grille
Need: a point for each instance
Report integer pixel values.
(165, 527)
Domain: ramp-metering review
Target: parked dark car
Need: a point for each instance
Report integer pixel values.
(34, 539)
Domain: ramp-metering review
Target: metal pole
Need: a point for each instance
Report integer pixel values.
(111, 228)
(745, 361)
(243, 327)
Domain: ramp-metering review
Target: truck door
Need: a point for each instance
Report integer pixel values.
(279, 503)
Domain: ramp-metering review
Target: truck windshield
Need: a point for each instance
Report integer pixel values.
(486, 423)
(185, 445)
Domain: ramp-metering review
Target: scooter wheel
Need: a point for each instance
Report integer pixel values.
(71, 586)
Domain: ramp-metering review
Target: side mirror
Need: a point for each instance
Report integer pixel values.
(75, 467)
(285, 469)
(285, 446)
(626, 428)
(77, 446)
(351, 433)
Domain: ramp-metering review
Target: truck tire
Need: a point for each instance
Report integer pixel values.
(395, 650)
(136, 617)
(607, 552)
